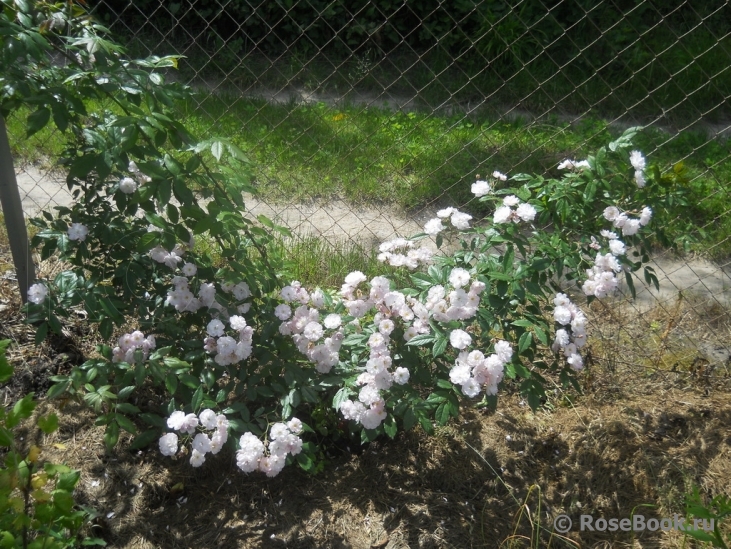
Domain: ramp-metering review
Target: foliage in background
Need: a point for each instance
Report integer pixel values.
(37, 508)
(650, 55)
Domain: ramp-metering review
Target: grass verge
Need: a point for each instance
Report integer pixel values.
(302, 152)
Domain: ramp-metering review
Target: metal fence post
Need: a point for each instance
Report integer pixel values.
(14, 220)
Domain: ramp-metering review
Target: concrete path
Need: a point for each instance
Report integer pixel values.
(339, 221)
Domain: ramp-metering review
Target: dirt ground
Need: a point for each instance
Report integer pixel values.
(653, 420)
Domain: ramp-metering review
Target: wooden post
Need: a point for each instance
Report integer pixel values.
(14, 220)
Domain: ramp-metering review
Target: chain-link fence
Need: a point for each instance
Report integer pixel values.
(362, 118)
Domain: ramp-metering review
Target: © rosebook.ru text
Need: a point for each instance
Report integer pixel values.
(638, 523)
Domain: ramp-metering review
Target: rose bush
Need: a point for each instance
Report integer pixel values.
(203, 317)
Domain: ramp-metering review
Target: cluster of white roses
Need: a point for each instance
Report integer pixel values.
(202, 443)
(635, 157)
(473, 370)
(129, 343)
(601, 278)
(573, 165)
(169, 258)
(389, 253)
(283, 441)
(128, 185)
(506, 213)
(459, 220)
(481, 187)
(228, 350)
(638, 163)
(629, 225)
(304, 326)
(572, 336)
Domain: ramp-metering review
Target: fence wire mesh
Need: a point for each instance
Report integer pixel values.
(362, 118)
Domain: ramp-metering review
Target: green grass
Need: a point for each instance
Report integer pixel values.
(316, 261)
(303, 152)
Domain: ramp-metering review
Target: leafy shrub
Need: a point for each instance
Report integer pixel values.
(158, 240)
(37, 508)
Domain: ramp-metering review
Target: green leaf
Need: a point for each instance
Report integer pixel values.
(145, 438)
(442, 414)
(390, 426)
(6, 437)
(409, 419)
(106, 327)
(197, 398)
(155, 220)
(111, 435)
(341, 396)
(41, 333)
(630, 284)
(701, 535)
(58, 389)
(175, 363)
(541, 335)
(217, 150)
(37, 120)
(126, 424)
(523, 323)
(94, 541)
(525, 341)
(305, 461)
(421, 339)
(22, 410)
(63, 501)
(309, 394)
(171, 383)
(126, 407)
(440, 345)
(68, 481)
(48, 424)
(6, 369)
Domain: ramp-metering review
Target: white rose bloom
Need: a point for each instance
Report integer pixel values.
(215, 328)
(617, 247)
(78, 231)
(526, 212)
(127, 185)
(197, 458)
(401, 375)
(460, 339)
(645, 216)
(637, 160)
(566, 165)
(481, 188)
(434, 226)
(459, 277)
(189, 269)
(37, 293)
(640, 179)
(208, 419)
(502, 214)
(461, 220)
(611, 213)
(168, 444)
(471, 388)
(631, 227)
